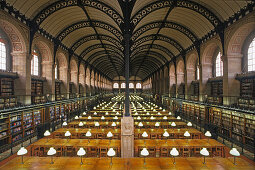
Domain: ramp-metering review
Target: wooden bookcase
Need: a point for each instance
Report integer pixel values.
(37, 92)
(7, 98)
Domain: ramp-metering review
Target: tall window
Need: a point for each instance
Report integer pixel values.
(198, 76)
(123, 85)
(131, 85)
(138, 85)
(35, 65)
(2, 55)
(218, 66)
(115, 85)
(56, 71)
(251, 56)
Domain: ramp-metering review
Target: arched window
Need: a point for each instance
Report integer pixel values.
(218, 66)
(56, 71)
(251, 56)
(123, 85)
(35, 64)
(197, 73)
(115, 85)
(2, 55)
(131, 85)
(138, 85)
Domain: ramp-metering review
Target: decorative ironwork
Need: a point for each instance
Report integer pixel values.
(95, 37)
(151, 54)
(96, 46)
(210, 16)
(158, 37)
(167, 24)
(154, 46)
(46, 12)
(101, 54)
(84, 24)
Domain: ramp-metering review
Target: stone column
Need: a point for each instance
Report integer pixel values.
(22, 85)
(48, 71)
(127, 137)
(205, 74)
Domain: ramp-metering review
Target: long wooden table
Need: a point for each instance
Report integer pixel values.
(60, 163)
(91, 125)
(69, 147)
(164, 125)
(186, 147)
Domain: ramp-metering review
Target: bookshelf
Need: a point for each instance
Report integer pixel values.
(7, 100)
(58, 90)
(37, 92)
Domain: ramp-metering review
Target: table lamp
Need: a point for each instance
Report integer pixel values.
(88, 134)
(51, 152)
(109, 135)
(178, 118)
(208, 134)
(165, 118)
(152, 118)
(106, 113)
(46, 134)
(115, 117)
(67, 134)
(81, 152)
(147, 113)
(187, 135)
(80, 124)
(113, 124)
(174, 152)
(234, 152)
(89, 117)
(95, 113)
(159, 113)
(140, 124)
(144, 153)
(76, 117)
(138, 118)
(189, 124)
(102, 118)
(95, 107)
(164, 110)
(111, 153)
(84, 113)
(144, 135)
(205, 153)
(22, 151)
(166, 135)
(64, 124)
(169, 113)
(136, 113)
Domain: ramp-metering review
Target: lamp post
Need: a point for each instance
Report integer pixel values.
(46, 134)
(187, 135)
(144, 153)
(174, 152)
(111, 153)
(51, 152)
(81, 152)
(88, 134)
(166, 135)
(234, 152)
(205, 153)
(67, 134)
(208, 135)
(22, 151)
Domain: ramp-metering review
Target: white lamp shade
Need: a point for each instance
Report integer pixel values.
(204, 152)
(102, 107)
(234, 152)
(22, 151)
(102, 117)
(157, 124)
(187, 134)
(88, 134)
(164, 110)
(95, 113)
(173, 124)
(67, 134)
(51, 152)
(174, 152)
(115, 117)
(178, 117)
(208, 134)
(84, 113)
(111, 152)
(164, 117)
(117, 113)
(89, 117)
(106, 113)
(189, 124)
(64, 124)
(109, 134)
(147, 113)
(113, 124)
(81, 152)
(152, 118)
(166, 134)
(144, 152)
(46, 133)
(80, 124)
(136, 113)
(160, 108)
(169, 113)
(138, 118)
(154, 110)
(159, 113)
(94, 107)
(145, 135)
(76, 117)
(97, 124)
(80, 117)
(113, 110)
(140, 124)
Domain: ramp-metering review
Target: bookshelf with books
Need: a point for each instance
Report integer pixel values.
(16, 129)
(58, 90)
(7, 98)
(37, 91)
(4, 129)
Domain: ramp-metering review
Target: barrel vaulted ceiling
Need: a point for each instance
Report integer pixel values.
(160, 29)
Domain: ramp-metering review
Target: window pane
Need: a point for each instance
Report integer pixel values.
(219, 66)
(2, 56)
(251, 56)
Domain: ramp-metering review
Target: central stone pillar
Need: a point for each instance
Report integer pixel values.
(127, 137)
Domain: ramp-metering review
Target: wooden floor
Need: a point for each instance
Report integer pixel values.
(73, 163)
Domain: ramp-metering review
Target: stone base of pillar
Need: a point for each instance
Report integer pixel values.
(127, 137)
